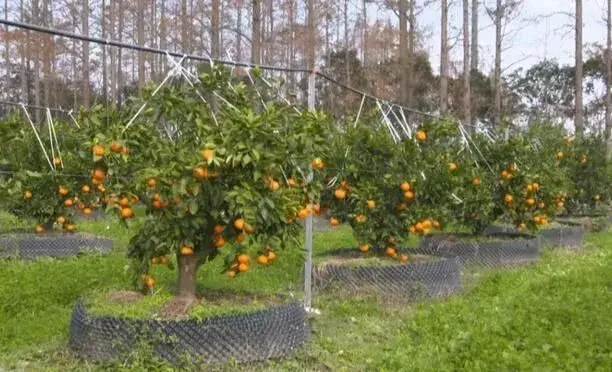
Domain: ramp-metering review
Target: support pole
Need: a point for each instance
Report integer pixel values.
(308, 226)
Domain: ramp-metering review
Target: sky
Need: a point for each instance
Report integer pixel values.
(540, 31)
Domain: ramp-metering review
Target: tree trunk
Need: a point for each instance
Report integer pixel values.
(239, 34)
(474, 55)
(184, 41)
(347, 66)
(444, 59)
(215, 47)
(140, 35)
(25, 59)
(37, 42)
(256, 33)
(497, 72)
(411, 55)
(85, 58)
(187, 273)
(47, 51)
(467, 100)
(311, 47)
(113, 52)
(7, 60)
(104, 71)
(403, 52)
(163, 26)
(579, 114)
(364, 46)
(121, 15)
(608, 130)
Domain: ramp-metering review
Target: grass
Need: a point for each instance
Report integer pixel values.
(552, 316)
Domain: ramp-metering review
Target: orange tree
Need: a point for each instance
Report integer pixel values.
(36, 192)
(225, 184)
(531, 187)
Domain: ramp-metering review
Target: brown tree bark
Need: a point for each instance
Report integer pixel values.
(467, 100)
(25, 59)
(364, 46)
(215, 47)
(163, 27)
(411, 54)
(444, 59)
(37, 42)
(499, 11)
(579, 113)
(474, 55)
(347, 66)
(403, 52)
(239, 7)
(103, 21)
(47, 48)
(311, 48)
(120, 26)
(184, 28)
(141, 10)
(187, 273)
(85, 55)
(256, 33)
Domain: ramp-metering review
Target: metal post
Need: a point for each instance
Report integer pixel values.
(308, 227)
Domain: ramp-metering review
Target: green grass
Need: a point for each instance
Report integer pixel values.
(554, 316)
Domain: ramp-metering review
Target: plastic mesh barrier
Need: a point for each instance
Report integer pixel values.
(255, 336)
(409, 281)
(568, 235)
(591, 223)
(512, 249)
(30, 246)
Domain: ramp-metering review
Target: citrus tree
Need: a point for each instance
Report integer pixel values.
(216, 179)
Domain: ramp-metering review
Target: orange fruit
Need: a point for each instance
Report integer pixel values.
(116, 147)
(418, 226)
(452, 167)
(239, 224)
(243, 267)
(316, 209)
(155, 260)
(249, 229)
(61, 220)
(371, 204)
(125, 202)
(559, 155)
(530, 201)
(218, 229)
(583, 159)
(405, 186)
(409, 195)
(541, 205)
(522, 226)
(243, 259)
(361, 218)
(39, 229)
(508, 198)
(157, 204)
(274, 186)
(334, 221)
(57, 161)
(476, 181)
(151, 182)
(537, 220)
(391, 240)
(127, 213)
(85, 188)
(536, 186)
(404, 258)
(241, 238)
(271, 255)
(62, 190)
(291, 182)
(150, 282)
(597, 197)
(156, 196)
(207, 154)
(303, 213)
(186, 250)
(99, 174)
(220, 242)
(412, 229)
(436, 224)
(98, 150)
(200, 173)
(87, 210)
(27, 195)
(426, 224)
(70, 227)
(262, 259)
(340, 193)
(231, 274)
(164, 260)
(529, 187)
(421, 136)
(317, 163)
(391, 251)
(68, 203)
(560, 204)
(364, 248)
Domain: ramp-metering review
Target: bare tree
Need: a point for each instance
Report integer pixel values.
(466, 62)
(256, 33)
(403, 52)
(608, 131)
(579, 113)
(444, 58)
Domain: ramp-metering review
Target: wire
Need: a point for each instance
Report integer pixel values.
(18, 104)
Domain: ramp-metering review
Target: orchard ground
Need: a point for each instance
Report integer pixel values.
(552, 316)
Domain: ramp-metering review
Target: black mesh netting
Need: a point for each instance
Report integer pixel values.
(567, 234)
(496, 249)
(591, 223)
(30, 246)
(255, 336)
(407, 281)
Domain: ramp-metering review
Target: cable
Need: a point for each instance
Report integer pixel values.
(18, 104)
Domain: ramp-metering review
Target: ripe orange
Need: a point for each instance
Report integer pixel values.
(371, 204)
(85, 188)
(418, 226)
(583, 159)
(243, 267)
(303, 213)
(536, 186)
(391, 251)
(87, 210)
(530, 201)
(243, 259)
(241, 238)
(27, 195)
(220, 242)
(164, 260)
(99, 174)
(127, 213)
(508, 198)
(218, 229)
(476, 181)
(412, 229)
(340, 193)
(560, 204)
(61, 220)
(152, 182)
(39, 229)
(409, 195)
(156, 196)
(334, 221)
(70, 227)
(262, 259)
(529, 187)
(559, 155)
(541, 205)
(421, 135)
(57, 161)
(207, 154)
(68, 203)
(436, 224)
(316, 208)
(537, 220)
(271, 255)
(452, 167)
(99, 150)
(62, 190)
(404, 258)
(125, 202)
(597, 197)
(155, 260)
(150, 282)
(231, 274)
(274, 186)
(426, 224)
(239, 224)
(116, 147)
(361, 218)
(405, 186)
(157, 204)
(522, 226)
(364, 248)
(186, 250)
(317, 163)
(291, 182)
(200, 173)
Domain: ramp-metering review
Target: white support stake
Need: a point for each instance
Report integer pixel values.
(308, 225)
(37, 136)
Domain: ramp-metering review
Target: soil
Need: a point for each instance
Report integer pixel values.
(125, 297)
